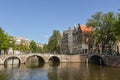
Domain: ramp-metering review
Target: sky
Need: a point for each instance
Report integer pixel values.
(36, 19)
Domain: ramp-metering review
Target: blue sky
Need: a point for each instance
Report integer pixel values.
(36, 19)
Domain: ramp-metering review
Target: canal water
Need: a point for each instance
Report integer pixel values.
(63, 71)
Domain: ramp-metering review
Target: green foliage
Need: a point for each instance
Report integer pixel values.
(1, 37)
(33, 46)
(12, 42)
(45, 48)
(39, 49)
(4, 41)
(22, 48)
(116, 28)
(103, 24)
(54, 42)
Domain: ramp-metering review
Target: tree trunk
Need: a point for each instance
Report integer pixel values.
(5, 51)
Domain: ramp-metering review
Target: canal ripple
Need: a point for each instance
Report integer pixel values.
(64, 71)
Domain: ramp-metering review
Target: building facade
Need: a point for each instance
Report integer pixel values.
(18, 41)
(76, 40)
(40, 45)
(67, 41)
(22, 40)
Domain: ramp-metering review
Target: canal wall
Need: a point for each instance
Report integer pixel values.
(74, 58)
(113, 61)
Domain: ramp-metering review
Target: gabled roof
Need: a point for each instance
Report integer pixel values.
(86, 29)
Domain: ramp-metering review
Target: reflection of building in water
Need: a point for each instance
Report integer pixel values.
(67, 71)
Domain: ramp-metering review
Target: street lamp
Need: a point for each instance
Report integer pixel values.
(12, 44)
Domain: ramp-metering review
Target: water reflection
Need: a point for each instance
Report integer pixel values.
(34, 65)
(12, 62)
(3, 76)
(76, 71)
(70, 71)
(34, 61)
(63, 71)
(54, 64)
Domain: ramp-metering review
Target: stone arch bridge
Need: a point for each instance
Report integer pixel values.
(43, 57)
(97, 59)
(107, 60)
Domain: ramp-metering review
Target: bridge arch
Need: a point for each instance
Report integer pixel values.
(12, 60)
(41, 60)
(54, 59)
(96, 59)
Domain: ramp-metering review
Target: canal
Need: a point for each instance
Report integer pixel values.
(63, 71)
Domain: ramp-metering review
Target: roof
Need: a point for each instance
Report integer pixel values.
(86, 29)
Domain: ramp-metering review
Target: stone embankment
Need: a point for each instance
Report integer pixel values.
(113, 61)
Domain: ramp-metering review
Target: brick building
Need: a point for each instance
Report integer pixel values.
(76, 40)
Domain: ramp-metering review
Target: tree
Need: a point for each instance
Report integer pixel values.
(54, 42)
(23, 48)
(5, 44)
(39, 49)
(33, 46)
(103, 24)
(12, 43)
(1, 38)
(116, 28)
(4, 41)
(45, 48)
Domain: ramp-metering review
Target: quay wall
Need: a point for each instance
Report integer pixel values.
(74, 58)
(113, 61)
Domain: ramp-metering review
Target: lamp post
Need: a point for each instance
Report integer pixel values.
(12, 45)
